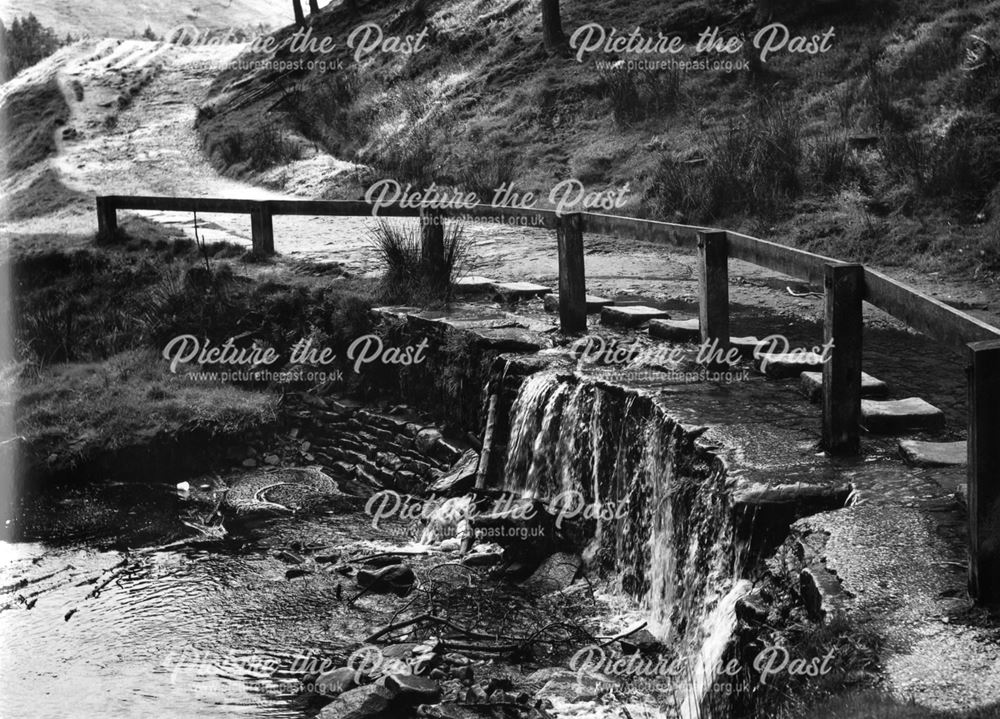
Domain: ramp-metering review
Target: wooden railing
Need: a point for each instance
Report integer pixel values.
(846, 287)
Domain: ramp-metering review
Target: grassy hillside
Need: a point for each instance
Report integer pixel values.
(113, 19)
(883, 149)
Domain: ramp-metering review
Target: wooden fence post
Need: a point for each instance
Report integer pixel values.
(713, 286)
(262, 229)
(107, 218)
(984, 471)
(572, 278)
(432, 248)
(843, 286)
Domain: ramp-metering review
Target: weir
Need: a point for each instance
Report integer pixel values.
(656, 506)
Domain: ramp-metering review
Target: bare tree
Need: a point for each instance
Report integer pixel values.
(314, 7)
(552, 24)
(300, 19)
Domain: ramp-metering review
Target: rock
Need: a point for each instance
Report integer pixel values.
(474, 284)
(811, 384)
(631, 316)
(934, 454)
(249, 463)
(458, 660)
(748, 610)
(367, 702)
(414, 689)
(641, 641)
(781, 365)
(554, 574)
(397, 578)
(450, 710)
(297, 572)
(519, 290)
(482, 559)
(508, 339)
(675, 330)
(426, 439)
(888, 416)
(559, 683)
(594, 303)
(821, 592)
(326, 558)
(746, 346)
(460, 478)
(271, 459)
(334, 682)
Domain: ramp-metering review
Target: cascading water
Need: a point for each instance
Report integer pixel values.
(657, 514)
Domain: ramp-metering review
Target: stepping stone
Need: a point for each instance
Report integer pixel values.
(519, 290)
(781, 365)
(594, 303)
(898, 415)
(812, 386)
(745, 345)
(675, 330)
(631, 316)
(474, 285)
(934, 454)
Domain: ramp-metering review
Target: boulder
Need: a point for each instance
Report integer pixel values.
(460, 478)
(368, 702)
(414, 689)
(396, 578)
(642, 642)
(554, 574)
(334, 682)
(426, 439)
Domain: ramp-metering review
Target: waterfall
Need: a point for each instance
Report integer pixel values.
(659, 510)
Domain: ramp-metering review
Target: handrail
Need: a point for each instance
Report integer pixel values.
(846, 286)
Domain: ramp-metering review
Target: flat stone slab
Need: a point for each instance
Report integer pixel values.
(898, 415)
(475, 284)
(518, 290)
(782, 365)
(675, 330)
(509, 339)
(934, 454)
(594, 303)
(631, 316)
(745, 345)
(871, 387)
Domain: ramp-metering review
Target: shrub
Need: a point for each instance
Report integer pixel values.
(752, 167)
(638, 94)
(484, 174)
(409, 276)
(261, 148)
(830, 159)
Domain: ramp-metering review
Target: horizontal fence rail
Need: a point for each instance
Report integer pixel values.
(845, 285)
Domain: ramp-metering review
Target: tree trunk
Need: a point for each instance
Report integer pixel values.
(300, 19)
(314, 7)
(551, 24)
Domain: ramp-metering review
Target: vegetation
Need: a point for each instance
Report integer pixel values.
(413, 276)
(90, 325)
(882, 149)
(25, 43)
